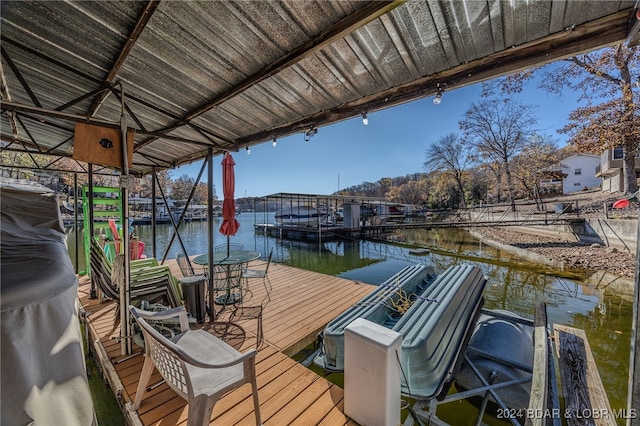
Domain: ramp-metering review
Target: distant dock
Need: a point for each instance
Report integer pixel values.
(307, 233)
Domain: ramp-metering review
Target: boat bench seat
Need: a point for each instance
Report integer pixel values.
(435, 325)
(376, 307)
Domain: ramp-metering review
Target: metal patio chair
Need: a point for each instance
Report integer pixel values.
(193, 288)
(251, 273)
(198, 366)
(230, 247)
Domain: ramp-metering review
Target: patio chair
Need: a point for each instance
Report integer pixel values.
(186, 267)
(251, 273)
(230, 246)
(193, 287)
(149, 281)
(197, 365)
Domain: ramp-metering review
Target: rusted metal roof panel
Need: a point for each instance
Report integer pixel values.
(228, 74)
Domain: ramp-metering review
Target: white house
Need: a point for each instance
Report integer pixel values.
(579, 172)
(611, 169)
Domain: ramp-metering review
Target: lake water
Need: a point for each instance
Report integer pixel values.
(512, 283)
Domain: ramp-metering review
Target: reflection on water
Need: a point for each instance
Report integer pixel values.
(513, 284)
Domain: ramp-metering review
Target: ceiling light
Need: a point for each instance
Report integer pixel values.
(365, 119)
(438, 98)
(274, 143)
(307, 135)
(248, 150)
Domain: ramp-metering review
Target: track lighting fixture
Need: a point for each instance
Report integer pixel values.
(274, 143)
(365, 119)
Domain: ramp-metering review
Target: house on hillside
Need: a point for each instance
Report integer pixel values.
(580, 172)
(610, 169)
(574, 173)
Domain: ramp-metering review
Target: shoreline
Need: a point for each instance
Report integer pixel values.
(613, 270)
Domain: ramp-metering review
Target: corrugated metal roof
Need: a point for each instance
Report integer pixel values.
(227, 74)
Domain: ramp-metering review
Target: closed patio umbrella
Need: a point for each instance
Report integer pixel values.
(229, 224)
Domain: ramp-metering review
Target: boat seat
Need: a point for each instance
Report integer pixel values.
(434, 317)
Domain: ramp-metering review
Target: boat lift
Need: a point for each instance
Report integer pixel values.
(543, 400)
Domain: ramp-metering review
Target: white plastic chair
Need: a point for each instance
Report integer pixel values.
(197, 365)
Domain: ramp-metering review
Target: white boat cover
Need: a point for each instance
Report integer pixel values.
(43, 374)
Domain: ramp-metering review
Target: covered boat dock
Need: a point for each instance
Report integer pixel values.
(173, 82)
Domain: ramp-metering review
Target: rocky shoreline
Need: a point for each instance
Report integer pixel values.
(570, 253)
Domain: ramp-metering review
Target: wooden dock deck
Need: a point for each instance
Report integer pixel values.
(302, 303)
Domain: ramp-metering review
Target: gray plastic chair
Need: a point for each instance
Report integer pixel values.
(197, 365)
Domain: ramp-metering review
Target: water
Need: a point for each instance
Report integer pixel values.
(513, 284)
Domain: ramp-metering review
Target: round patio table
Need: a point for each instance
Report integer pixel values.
(228, 260)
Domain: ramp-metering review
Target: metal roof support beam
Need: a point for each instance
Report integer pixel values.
(81, 98)
(48, 59)
(608, 30)
(5, 95)
(132, 39)
(184, 211)
(45, 121)
(17, 107)
(21, 79)
(126, 107)
(156, 161)
(83, 171)
(339, 30)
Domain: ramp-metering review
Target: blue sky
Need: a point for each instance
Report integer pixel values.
(348, 153)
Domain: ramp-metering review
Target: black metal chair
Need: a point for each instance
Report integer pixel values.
(251, 273)
(230, 247)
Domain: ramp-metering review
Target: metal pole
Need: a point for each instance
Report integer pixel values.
(125, 293)
(75, 223)
(210, 228)
(153, 211)
(633, 398)
(87, 265)
(75, 220)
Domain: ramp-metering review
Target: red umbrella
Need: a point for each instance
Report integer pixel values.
(229, 224)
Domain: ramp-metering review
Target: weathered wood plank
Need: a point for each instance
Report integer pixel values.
(302, 303)
(586, 401)
(323, 407)
(540, 377)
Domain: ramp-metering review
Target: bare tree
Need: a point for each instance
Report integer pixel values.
(452, 157)
(531, 165)
(607, 80)
(499, 130)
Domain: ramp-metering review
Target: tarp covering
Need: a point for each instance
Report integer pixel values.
(43, 373)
